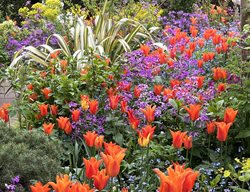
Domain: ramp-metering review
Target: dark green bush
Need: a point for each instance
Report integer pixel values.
(29, 154)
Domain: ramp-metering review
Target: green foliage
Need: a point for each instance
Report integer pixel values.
(173, 5)
(29, 154)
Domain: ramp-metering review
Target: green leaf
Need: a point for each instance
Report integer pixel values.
(118, 138)
(173, 103)
(243, 134)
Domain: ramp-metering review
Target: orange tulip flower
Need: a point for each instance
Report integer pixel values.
(75, 115)
(221, 87)
(93, 107)
(210, 127)
(230, 115)
(63, 64)
(99, 142)
(168, 93)
(200, 63)
(219, 73)
(178, 179)
(188, 142)
(145, 135)
(64, 123)
(162, 58)
(113, 149)
(91, 166)
(78, 187)
(113, 101)
(39, 187)
(137, 92)
(4, 113)
(174, 82)
(32, 97)
(178, 137)
(200, 80)
(222, 130)
(30, 87)
(54, 110)
(194, 111)
(62, 183)
(54, 54)
(124, 106)
(124, 190)
(100, 179)
(43, 109)
(48, 128)
(112, 163)
(133, 120)
(193, 20)
(46, 92)
(158, 89)
(90, 138)
(149, 113)
(201, 42)
(145, 49)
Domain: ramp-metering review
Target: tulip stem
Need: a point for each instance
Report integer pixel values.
(186, 155)
(209, 140)
(221, 145)
(147, 165)
(191, 156)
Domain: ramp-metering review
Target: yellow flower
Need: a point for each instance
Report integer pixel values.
(226, 173)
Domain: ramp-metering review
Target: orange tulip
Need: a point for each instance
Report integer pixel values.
(39, 187)
(43, 109)
(221, 87)
(78, 187)
(100, 179)
(54, 54)
(193, 20)
(133, 120)
(54, 110)
(162, 58)
(158, 89)
(62, 121)
(124, 106)
(145, 135)
(137, 92)
(63, 64)
(149, 113)
(99, 142)
(145, 49)
(200, 42)
(90, 138)
(168, 93)
(113, 101)
(30, 87)
(4, 113)
(222, 130)
(210, 127)
(177, 138)
(113, 149)
(124, 190)
(93, 107)
(178, 179)
(174, 82)
(188, 142)
(200, 80)
(219, 73)
(62, 183)
(48, 128)
(200, 63)
(230, 115)
(91, 166)
(64, 124)
(46, 91)
(32, 97)
(112, 163)
(75, 115)
(194, 111)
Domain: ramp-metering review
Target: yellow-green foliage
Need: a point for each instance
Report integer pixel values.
(50, 10)
(146, 15)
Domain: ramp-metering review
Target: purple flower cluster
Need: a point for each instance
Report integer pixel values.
(14, 182)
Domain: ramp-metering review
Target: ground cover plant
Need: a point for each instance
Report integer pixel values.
(151, 102)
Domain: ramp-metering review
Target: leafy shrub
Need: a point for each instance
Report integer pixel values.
(29, 154)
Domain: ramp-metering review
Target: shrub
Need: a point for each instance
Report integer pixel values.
(29, 154)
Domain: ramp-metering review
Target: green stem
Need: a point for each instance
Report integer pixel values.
(186, 155)
(191, 156)
(147, 165)
(209, 140)
(221, 145)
